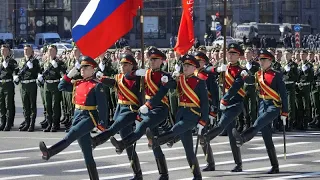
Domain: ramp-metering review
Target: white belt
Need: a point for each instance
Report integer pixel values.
(28, 81)
(52, 81)
(247, 84)
(303, 84)
(289, 82)
(317, 83)
(5, 80)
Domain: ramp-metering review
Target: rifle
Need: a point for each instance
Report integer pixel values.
(24, 69)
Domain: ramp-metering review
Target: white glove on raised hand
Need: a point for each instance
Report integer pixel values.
(287, 68)
(141, 72)
(54, 63)
(30, 65)
(222, 107)
(40, 77)
(164, 79)
(244, 73)
(304, 67)
(200, 128)
(99, 74)
(175, 74)
(72, 72)
(77, 65)
(284, 120)
(222, 68)
(102, 66)
(16, 79)
(248, 65)
(177, 68)
(144, 109)
(5, 64)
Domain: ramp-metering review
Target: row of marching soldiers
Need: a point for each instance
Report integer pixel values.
(198, 102)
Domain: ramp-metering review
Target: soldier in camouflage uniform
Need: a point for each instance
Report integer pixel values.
(28, 72)
(8, 67)
(305, 80)
(290, 77)
(51, 74)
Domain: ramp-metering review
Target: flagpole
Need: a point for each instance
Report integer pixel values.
(224, 43)
(142, 54)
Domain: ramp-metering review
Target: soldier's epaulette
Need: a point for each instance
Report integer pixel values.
(241, 67)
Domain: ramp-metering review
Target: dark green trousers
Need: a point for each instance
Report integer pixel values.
(7, 104)
(316, 101)
(53, 106)
(28, 93)
(291, 94)
(250, 104)
(69, 105)
(43, 99)
(303, 105)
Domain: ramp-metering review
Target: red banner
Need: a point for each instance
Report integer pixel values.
(185, 38)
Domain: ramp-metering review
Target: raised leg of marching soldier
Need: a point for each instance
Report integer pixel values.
(43, 123)
(53, 99)
(6, 105)
(316, 104)
(29, 101)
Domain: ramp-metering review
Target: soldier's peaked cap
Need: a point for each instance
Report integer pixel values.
(191, 60)
(234, 48)
(201, 56)
(88, 61)
(264, 54)
(156, 53)
(127, 58)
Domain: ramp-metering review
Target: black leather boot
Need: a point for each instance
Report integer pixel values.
(32, 124)
(195, 168)
(93, 172)
(135, 165)
(212, 133)
(171, 143)
(123, 144)
(26, 125)
(237, 157)
(274, 161)
(22, 124)
(155, 141)
(3, 124)
(100, 138)
(244, 137)
(47, 153)
(162, 168)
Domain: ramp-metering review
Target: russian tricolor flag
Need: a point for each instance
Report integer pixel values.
(102, 23)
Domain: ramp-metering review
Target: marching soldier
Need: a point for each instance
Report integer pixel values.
(155, 111)
(231, 103)
(28, 72)
(290, 77)
(90, 104)
(273, 100)
(250, 100)
(306, 78)
(8, 68)
(193, 112)
(51, 77)
(207, 73)
(129, 97)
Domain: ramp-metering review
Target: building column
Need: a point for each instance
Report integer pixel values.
(275, 11)
(257, 11)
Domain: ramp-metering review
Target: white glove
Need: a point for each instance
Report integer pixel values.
(248, 66)
(77, 65)
(137, 122)
(177, 68)
(284, 118)
(54, 63)
(175, 74)
(16, 78)
(212, 119)
(40, 77)
(200, 128)
(164, 79)
(144, 109)
(304, 67)
(141, 72)
(222, 68)
(222, 107)
(287, 68)
(244, 73)
(99, 74)
(102, 66)
(30, 65)
(72, 72)
(5, 64)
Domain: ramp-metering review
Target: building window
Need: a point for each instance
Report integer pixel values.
(307, 4)
(291, 5)
(265, 5)
(246, 3)
(67, 5)
(51, 4)
(32, 4)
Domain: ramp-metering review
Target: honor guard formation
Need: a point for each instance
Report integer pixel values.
(167, 97)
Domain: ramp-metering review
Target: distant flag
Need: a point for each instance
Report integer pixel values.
(185, 38)
(102, 23)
